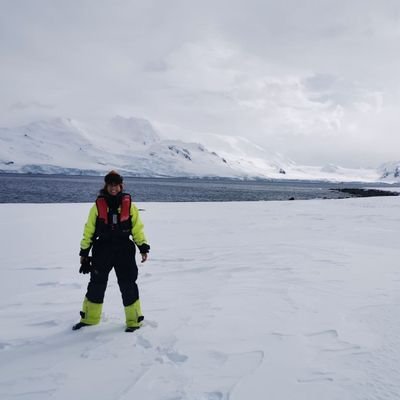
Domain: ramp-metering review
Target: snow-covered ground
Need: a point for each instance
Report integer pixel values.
(265, 300)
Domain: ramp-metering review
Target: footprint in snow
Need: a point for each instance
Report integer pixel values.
(328, 333)
(59, 284)
(172, 260)
(316, 377)
(46, 324)
(176, 357)
(152, 324)
(143, 342)
(171, 355)
(329, 341)
(281, 335)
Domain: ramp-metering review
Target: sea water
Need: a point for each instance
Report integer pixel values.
(30, 188)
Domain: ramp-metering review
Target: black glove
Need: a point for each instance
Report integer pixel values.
(86, 265)
(144, 248)
(84, 252)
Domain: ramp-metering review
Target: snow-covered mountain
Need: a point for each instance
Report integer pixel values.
(390, 171)
(129, 145)
(133, 146)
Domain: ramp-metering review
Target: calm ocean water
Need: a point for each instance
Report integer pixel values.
(15, 188)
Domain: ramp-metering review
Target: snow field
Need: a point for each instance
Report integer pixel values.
(277, 300)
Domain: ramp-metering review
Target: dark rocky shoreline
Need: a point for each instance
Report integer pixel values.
(357, 192)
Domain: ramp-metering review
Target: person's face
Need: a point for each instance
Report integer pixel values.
(113, 189)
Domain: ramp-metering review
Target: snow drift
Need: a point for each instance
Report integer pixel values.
(264, 300)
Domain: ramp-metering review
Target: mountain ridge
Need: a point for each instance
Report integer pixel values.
(133, 146)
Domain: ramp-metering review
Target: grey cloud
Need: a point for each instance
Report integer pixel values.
(285, 74)
(335, 90)
(33, 104)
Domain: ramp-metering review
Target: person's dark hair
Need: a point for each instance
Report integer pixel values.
(112, 177)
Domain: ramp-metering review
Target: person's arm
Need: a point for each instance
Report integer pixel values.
(88, 232)
(138, 234)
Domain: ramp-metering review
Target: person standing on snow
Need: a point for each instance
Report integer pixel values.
(112, 221)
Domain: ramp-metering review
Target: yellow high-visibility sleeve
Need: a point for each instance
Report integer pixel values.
(137, 226)
(89, 229)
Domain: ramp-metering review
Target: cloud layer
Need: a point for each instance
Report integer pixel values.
(315, 80)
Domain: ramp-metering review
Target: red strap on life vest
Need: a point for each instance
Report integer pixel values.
(102, 208)
(125, 208)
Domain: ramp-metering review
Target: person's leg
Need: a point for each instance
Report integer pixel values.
(127, 272)
(93, 302)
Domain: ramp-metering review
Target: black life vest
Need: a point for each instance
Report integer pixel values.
(113, 224)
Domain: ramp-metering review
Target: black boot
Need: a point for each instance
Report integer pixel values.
(134, 328)
(131, 329)
(79, 325)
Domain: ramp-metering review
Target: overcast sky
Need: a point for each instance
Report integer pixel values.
(317, 80)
